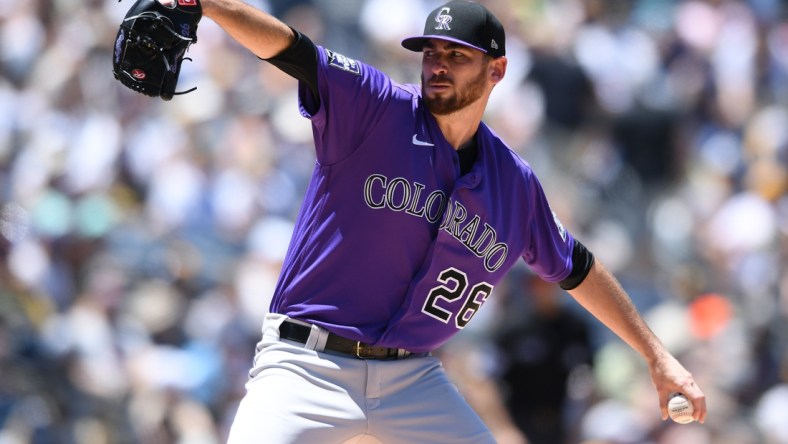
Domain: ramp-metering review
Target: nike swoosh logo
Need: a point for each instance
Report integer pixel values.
(418, 142)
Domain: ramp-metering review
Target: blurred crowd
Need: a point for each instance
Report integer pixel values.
(140, 239)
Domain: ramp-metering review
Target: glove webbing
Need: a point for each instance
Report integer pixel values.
(139, 39)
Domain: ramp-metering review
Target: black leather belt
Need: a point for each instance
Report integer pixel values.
(295, 332)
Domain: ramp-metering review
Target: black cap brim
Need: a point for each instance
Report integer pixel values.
(416, 44)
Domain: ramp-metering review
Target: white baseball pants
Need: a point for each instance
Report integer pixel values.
(298, 395)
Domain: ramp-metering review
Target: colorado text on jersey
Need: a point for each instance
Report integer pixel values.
(400, 194)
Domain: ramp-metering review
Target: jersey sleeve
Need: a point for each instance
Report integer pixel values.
(549, 248)
(352, 99)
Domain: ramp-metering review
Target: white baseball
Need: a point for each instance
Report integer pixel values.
(680, 409)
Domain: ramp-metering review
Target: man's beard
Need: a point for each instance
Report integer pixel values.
(442, 106)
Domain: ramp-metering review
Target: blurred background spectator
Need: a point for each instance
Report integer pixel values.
(141, 239)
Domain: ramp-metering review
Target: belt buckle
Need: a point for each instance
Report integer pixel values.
(365, 351)
(359, 350)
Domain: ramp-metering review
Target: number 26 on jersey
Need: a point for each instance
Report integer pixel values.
(454, 288)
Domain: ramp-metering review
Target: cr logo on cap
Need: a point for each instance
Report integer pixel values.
(443, 18)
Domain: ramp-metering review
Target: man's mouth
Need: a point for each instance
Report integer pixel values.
(440, 82)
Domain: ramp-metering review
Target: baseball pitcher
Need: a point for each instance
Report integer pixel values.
(415, 211)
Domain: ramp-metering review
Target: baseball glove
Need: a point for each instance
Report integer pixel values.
(152, 43)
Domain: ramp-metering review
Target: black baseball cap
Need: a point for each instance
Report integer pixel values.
(463, 22)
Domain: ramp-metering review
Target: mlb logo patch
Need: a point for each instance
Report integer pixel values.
(344, 63)
(187, 2)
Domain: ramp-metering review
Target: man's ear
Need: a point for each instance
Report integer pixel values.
(497, 69)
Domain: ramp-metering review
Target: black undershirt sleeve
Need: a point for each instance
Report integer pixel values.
(300, 62)
(582, 260)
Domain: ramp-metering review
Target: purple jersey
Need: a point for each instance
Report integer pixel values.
(393, 247)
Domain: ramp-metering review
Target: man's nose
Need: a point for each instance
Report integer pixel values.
(438, 65)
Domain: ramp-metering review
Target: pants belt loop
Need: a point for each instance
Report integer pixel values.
(317, 339)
